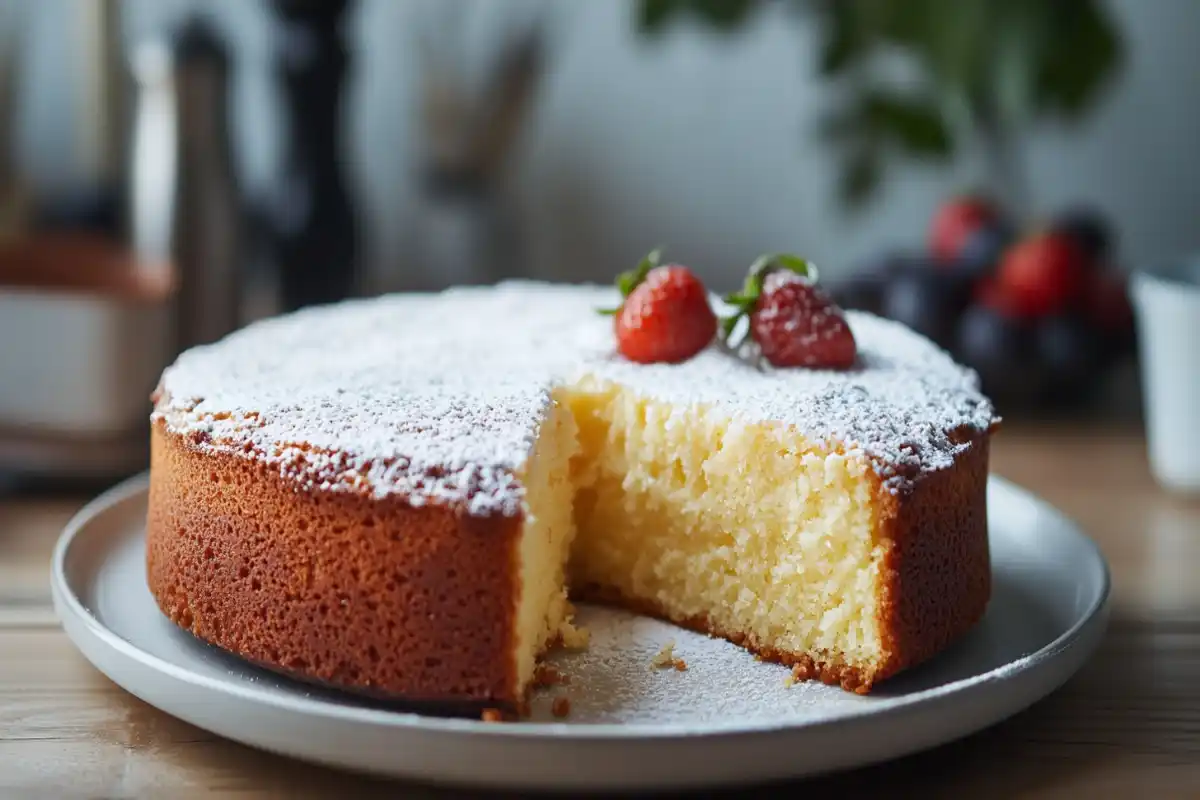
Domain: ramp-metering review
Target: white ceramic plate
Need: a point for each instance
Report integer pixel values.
(727, 719)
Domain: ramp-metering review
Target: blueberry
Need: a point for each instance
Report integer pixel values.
(1071, 353)
(864, 289)
(928, 302)
(1089, 230)
(988, 339)
(1001, 350)
(981, 253)
(859, 292)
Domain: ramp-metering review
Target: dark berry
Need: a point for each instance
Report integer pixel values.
(889, 264)
(863, 290)
(858, 292)
(1069, 350)
(928, 302)
(981, 253)
(1001, 349)
(1089, 231)
(954, 223)
(1109, 311)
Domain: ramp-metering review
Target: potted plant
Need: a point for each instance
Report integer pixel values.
(1036, 306)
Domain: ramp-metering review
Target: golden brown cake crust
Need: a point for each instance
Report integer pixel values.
(338, 588)
(374, 596)
(937, 576)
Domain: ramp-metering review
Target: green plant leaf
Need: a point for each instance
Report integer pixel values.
(861, 173)
(654, 15)
(983, 70)
(846, 41)
(842, 124)
(1086, 52)
(915, 125)
(1018, 44)
(725, 13)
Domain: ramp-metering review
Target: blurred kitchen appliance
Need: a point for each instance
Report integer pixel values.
(85, 330)
(313, 241)
(14, 195)
(464, 227)
(82, 325)
(185, 205)
(89, 320)
(89, 196)
(101, 88)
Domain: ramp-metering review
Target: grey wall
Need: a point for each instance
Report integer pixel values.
(697, 142)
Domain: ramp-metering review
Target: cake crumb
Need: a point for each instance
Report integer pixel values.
(573, 638)
(665, 657)
(798, 674)
(546, 675)
(561, 706)
(680, 665)
(492, 715)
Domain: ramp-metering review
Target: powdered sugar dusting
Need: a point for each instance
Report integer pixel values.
(612, 680)
(438, 398)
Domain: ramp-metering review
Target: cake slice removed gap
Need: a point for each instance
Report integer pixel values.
(744, 530)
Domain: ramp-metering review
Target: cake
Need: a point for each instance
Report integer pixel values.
(402, 496)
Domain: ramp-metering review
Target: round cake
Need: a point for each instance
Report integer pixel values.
(401, 496)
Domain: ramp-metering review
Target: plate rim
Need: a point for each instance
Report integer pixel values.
(67, 601)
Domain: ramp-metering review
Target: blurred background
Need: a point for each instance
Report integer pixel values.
(986, 171)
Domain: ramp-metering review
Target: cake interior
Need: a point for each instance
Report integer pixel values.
(748, 531)
(543, 609)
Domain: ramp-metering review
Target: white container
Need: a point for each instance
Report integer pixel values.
(1167, 307)
(78, 364)
(85, 330)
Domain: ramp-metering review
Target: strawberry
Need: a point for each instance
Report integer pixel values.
(1043, 274)
(954, 224)
(1108, 311)
(1106, 303)
(793, 320)
(989, 294)
(665, 316)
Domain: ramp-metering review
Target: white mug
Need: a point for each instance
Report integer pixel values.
(1167, 308)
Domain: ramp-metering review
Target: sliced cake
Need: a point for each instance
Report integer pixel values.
(397, 496)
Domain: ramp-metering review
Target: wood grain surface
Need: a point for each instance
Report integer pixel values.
(1128, 724)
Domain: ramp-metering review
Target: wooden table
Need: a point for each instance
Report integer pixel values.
(1128, 724)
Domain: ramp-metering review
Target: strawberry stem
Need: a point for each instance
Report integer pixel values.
(745, 300)
(629, 280)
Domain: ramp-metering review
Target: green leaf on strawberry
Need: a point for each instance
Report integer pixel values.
(629, 280)
(745, 301)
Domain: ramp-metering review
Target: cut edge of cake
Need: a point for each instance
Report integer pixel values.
(793, 549)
